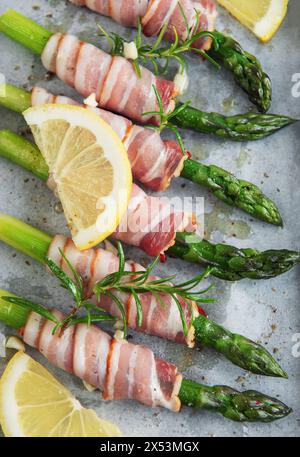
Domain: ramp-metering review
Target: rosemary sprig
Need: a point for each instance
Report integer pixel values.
(160, 56)
(166, 117)
(44, 312)
(134, 283)
(76, 288)
(139, 282)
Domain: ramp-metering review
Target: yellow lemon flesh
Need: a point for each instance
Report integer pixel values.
(88, 168)
(34, 404)
(262, 17)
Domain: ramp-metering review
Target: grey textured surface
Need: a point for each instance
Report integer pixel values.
(265, 311)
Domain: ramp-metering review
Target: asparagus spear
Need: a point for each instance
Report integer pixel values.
(243, 128)
(231, 263)
(224, 185)
(248, 406)
(246, 69)
(240, 127)
(238, 349)
(233, 191)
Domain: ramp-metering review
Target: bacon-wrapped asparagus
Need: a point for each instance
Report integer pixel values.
(155, 162)
(90, 70)
(120, 369)
(150, 222)
(126, 371)
(182, 15)
(82, 74)
(159, 319)
(229, 262)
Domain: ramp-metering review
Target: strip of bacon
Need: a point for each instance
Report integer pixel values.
(154, 162)
(151, 223)
(120, 369)
(155, 13)
(93, 265)
(114, 80)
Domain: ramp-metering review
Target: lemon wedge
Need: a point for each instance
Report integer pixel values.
(262, 17)
(88, 167)
(34, 404)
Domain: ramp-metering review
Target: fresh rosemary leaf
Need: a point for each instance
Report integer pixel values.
(182, 315)
(94, 319)
(128, 282)
(65, 280)
(138, 308)
(39, 309)
(121, 308)
(159, 55)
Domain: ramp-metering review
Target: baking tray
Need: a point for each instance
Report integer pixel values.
(267, 311)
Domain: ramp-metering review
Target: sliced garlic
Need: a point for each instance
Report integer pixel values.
(89, 387)
(181, 82)
(130, 51)
(13, 342)
(91, 101)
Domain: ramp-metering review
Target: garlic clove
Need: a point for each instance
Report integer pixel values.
(181, 82)
(13, 342)
(130, 51)
(91, 101)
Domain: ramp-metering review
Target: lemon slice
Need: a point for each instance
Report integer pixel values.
(34, 404)
(88, 166)
(262, 17)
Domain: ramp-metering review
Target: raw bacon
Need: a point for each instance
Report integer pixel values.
(155, 13)
(93, 265)
(151, 223)
(120, 369)
(113, 79)
(154, 162)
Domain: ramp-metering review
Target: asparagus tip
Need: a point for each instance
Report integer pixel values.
(277, 371)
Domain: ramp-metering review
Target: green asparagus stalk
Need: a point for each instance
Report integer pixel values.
(24, 153)
(25, 31)
(231, 263)
(246, 69)
(14, 98)
(238, 349)
(240, 127)
(245, 127)
(24, 238)
(250, 405)
(224, 185)
(233, 191)
(238, 406)
(11, 314)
